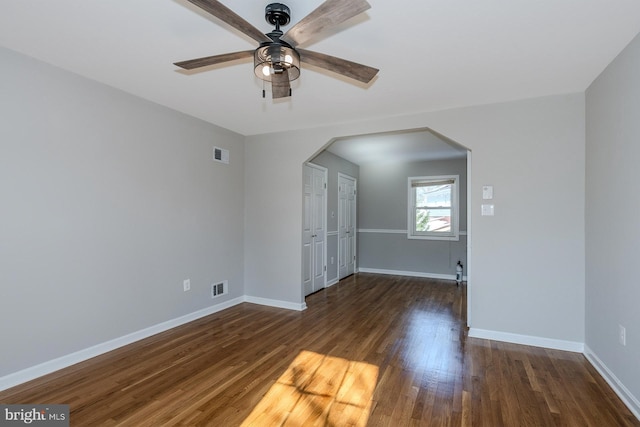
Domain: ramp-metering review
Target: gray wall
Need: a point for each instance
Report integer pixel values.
(612, 225)
(382, 205)
(108, 203)
(335, 165)
(531, 151)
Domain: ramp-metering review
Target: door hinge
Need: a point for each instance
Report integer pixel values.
(325, 185)
(325, 268)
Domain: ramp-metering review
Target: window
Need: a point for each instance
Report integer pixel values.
(433, 207)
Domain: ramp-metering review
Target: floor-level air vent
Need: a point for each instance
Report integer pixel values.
(220, 288)
(221, 155)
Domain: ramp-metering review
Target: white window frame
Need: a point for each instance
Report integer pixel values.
(454, 234)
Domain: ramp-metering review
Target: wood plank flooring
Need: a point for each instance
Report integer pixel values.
(372, 350)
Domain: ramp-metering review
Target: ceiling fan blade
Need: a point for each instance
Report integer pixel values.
(350, 69)
(211, 60)
(280, 85)
(222, 12)
(328, 14)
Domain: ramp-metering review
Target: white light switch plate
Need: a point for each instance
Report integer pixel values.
(488, 210)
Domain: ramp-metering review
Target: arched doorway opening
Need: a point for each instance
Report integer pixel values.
(380, 166)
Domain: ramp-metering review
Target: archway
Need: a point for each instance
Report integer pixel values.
(387, 160)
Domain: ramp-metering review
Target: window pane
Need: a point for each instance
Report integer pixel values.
(433, 220)
(433, 196)
(433, 207)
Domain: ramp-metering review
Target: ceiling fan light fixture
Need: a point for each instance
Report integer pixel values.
(268, 59)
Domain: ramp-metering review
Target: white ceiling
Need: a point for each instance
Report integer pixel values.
(432, 54)
(394, 147)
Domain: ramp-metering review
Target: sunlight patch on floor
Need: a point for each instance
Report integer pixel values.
(318, 389)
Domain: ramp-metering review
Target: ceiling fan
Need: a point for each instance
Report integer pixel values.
(277, 58)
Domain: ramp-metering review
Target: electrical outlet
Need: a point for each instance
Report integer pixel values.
(622, 335)
(186, 285)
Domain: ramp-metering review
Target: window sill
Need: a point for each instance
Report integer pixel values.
(417, 237)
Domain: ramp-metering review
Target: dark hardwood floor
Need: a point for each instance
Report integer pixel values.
(372, 350)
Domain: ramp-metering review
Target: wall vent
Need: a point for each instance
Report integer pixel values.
(221, 155)
(218, 289)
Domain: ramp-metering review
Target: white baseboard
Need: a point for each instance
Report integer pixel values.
(410, 273)
(623, 392)
(573, 346)
(50, 366)
(276, 303)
